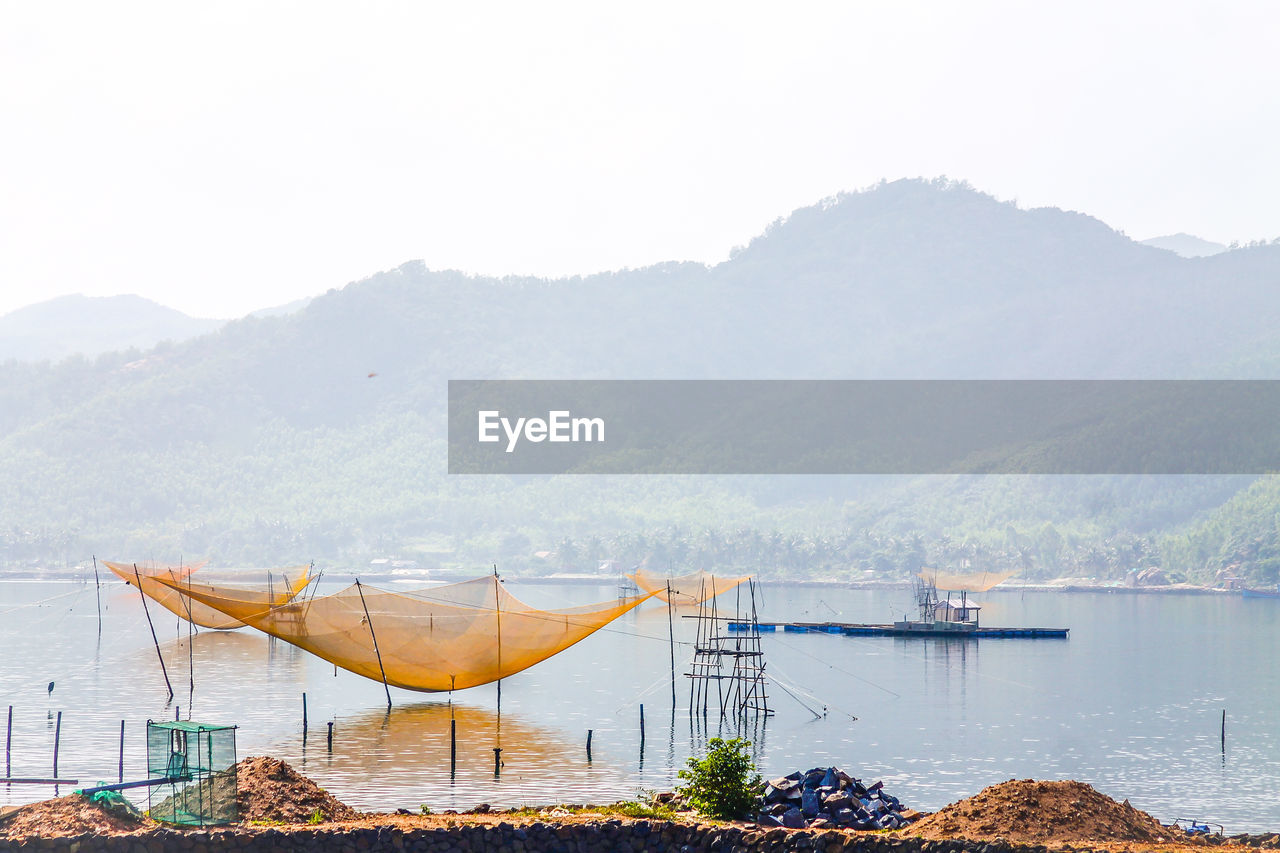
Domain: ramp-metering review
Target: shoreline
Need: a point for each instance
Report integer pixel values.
(278, 810)
(471, 832)
(1061, 585)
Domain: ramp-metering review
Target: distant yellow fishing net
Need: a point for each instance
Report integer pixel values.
(971, 582)
(442, 638)
(687, 589)
(279, 586)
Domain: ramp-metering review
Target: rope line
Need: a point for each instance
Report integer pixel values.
(852, 675)
(18, 607)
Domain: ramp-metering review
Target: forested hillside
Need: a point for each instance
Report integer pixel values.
(319, 434)
(1240, 538)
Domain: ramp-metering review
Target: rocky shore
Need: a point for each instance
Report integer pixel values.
(285, 812)
(588, 836)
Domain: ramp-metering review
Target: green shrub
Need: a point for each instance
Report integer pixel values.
(724, 783)
(649, 811)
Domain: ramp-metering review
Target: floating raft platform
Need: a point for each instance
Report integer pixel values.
(900, 629)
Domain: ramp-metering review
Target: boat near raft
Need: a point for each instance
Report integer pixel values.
(940, 618)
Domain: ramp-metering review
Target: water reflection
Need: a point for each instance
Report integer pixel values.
(403, 758)
(406, 755)
(215, 659)
(752, 728)
(947, 662)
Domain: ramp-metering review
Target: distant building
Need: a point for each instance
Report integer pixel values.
(950, 610)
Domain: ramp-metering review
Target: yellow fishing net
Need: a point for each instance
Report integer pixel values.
(686, 589)
(280, 586)
(972, 582)
(442, 638)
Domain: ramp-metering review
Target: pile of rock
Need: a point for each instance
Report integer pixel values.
(829, 798)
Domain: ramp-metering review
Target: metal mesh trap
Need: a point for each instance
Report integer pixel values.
(197, 762)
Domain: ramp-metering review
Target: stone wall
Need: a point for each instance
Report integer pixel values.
(602, 837)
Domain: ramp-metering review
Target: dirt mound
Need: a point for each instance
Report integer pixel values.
(1041, 812)
(69, 815)
(271, 791)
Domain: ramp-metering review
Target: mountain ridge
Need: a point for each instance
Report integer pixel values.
(1186, 245)
(76, 324)
(320, 432)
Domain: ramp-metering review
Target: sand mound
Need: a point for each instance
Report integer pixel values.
(69, 815)
(271, 791)
(1038, 812)
(267, 790)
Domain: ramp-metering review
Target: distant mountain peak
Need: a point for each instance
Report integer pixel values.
(282, 310)
(914, 223)
(1186, 245)
(90, 325)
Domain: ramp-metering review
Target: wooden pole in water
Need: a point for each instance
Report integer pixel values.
(121, 769)
(8, 740)
(715, 624)
(331, 736)
(453, 748)
(57, 736)
(642, 727)
(304, 716)
(497, 618)
(163, 671)
(191, 650)
(360, 590)
(1224, 731)
(97, 583)
(588, 744)
(694, 682)
(497, 760)
(671, 636)
(704, 635)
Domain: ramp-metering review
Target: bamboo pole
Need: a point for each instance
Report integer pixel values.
(57, 738)
(695, 683)
(715, 625)
(671, 636)
(165, 672)
(367, 619)
(497, 611)
(191, 651)
(97, 583)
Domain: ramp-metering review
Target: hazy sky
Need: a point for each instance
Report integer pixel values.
(222, 157)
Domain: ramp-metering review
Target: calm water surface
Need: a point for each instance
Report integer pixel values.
(1131, 703)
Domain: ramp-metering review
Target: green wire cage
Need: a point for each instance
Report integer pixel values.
(198, 763)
